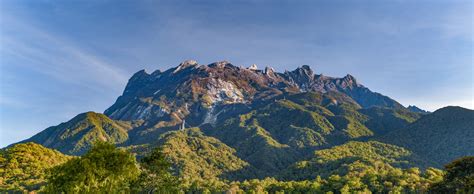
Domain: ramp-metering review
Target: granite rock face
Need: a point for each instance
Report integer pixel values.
(221, 83)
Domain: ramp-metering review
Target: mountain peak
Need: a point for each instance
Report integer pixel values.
(185, 64)
(253, 67)
(78, 134)
(139, 74)
(349, 77)
(414, 108)
(302, 76)
(189, 62)
(90, 115)
(220, 64)
(448, 109)
(269, 70)
(306, 67)
(350, 80)
(306, 70)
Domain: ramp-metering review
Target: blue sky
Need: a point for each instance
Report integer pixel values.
(61, 58)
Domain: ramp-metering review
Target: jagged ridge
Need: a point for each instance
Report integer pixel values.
(171, 95)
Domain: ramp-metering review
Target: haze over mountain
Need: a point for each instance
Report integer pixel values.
(220, 121)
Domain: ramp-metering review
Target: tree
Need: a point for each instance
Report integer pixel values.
(156, 174)
(459, 177)
(103, 169)
(23, 166)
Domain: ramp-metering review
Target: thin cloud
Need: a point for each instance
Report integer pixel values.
(52, 55)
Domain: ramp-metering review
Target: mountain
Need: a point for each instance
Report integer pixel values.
(220, 121)
(442, 136)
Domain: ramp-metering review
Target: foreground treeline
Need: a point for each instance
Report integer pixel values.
(107, 169)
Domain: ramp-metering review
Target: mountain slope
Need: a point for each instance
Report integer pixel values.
(77, 135)
(274, 136)
(23, 166)
(345, 158)
(383, 120)
(199, 157)
(441, 136)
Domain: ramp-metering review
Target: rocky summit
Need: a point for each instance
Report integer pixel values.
(190, 88)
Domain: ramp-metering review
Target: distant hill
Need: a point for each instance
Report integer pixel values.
(77, 135)
(441, 136)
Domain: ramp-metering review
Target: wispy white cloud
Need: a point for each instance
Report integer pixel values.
(54, 56)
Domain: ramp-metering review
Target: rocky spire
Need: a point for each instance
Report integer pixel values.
(305, 69)
(350, 80)
(220, 64)
(138, 79)
(302, 75)
(269, 70)
(185, 64)
(253, 67)
(188, 63)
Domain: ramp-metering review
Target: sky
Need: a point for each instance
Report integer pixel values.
(62, 58)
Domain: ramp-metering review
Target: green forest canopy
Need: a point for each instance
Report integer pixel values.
(107, 168)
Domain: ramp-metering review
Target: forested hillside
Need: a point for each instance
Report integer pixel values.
(342, 159)
(23, 166)
(440, 137)
(356, 167)
(77, 135)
